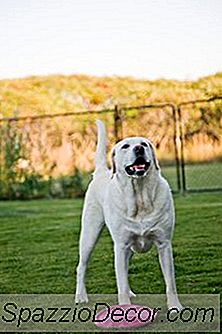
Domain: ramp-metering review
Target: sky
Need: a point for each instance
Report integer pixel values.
(150, 39)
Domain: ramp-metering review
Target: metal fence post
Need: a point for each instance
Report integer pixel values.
(118, 126)
(182, 149)
(175, 140)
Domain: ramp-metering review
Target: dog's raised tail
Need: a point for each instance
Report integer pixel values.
(100, 158)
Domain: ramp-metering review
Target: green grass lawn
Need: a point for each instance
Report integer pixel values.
(39, 249)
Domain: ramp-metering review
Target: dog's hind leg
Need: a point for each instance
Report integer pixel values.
(92, 223)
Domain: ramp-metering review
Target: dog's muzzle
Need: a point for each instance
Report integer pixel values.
(138, 168)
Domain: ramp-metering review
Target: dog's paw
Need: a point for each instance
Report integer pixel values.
(173, 303)
(175, 308)
(124, 299)
(81, 298)
(131, 294)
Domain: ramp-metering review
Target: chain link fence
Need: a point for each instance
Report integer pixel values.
(50, 155)
(53, 155)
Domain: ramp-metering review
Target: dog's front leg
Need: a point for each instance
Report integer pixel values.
(167, 266)
(121, 269)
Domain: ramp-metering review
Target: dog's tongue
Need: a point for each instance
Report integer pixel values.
(137, 167)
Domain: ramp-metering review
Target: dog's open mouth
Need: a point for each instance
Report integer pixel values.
(138, 168)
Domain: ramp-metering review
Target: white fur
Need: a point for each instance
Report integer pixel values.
(138, 212)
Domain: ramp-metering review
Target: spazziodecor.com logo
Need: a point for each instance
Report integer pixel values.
(59, 313)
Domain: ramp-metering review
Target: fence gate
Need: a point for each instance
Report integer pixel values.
(200, 124)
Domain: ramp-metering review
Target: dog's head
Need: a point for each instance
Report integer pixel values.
(134, 157)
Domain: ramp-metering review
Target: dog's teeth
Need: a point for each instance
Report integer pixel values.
(140, 167)
(137, 167)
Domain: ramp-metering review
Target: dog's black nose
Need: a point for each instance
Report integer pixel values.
(139, 150)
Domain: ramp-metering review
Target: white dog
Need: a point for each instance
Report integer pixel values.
(135, 203)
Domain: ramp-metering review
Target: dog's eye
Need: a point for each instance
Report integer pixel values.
(144, 144)
(125, 146)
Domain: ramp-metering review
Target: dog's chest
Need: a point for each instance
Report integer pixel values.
(138, 202)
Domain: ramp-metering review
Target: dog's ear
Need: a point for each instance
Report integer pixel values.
(154, 156)
(113, 153)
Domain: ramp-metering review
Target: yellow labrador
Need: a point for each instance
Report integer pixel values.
(135, 203)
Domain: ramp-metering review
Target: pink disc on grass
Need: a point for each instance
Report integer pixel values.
(126, 316)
